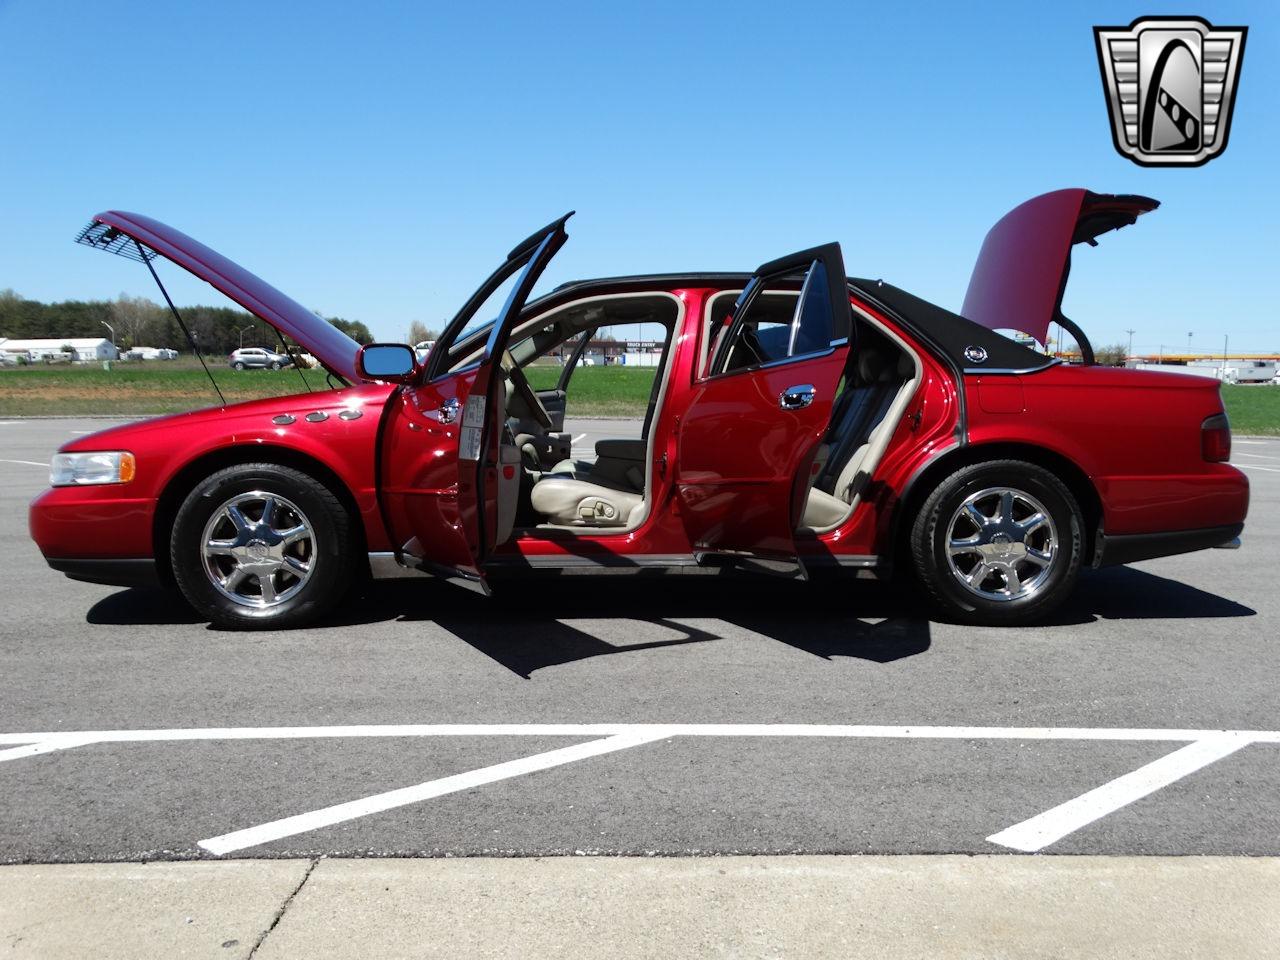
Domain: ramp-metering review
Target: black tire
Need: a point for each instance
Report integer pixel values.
(329, 551)
(1041, 586)
(237, 365)
(275, 364)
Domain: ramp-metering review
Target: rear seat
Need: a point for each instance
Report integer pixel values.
(861, 433)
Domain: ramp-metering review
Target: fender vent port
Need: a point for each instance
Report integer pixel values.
(1215, 439)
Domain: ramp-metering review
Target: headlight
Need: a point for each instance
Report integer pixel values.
(81, 469)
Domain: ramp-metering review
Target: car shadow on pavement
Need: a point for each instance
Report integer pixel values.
(1126, 593)
(528, 626)
(533, 624)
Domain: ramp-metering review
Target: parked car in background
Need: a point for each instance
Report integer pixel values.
(249, 358)
(423, 349)
(802, 422)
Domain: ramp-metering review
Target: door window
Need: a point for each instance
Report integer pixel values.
(771, 324)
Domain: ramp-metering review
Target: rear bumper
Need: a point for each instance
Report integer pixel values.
(117, 573)
(1129, 548)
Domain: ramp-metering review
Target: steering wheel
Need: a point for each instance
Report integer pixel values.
(526, 391)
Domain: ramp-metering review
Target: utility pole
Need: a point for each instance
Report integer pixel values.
(1188, 343)
(1130, 353)
(1225, 340)
(112, 331)
(241, 330)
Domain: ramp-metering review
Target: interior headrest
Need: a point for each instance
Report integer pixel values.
(906, 367)
(871, 364)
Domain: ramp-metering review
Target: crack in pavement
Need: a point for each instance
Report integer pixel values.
(275, 921)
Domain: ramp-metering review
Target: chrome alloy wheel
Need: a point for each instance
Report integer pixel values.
(1001, 544)
(259, 549)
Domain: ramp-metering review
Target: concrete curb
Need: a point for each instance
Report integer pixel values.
(812, 907)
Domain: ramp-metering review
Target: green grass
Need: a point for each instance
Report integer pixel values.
(138, 388)
(1253, 409)
(130, 389)
(600, 391)
(168, 387)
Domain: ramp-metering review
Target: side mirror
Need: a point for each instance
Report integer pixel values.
(390, 362)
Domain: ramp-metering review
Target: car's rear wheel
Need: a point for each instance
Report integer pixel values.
(262, 546)
(998, 543)
(238, 365)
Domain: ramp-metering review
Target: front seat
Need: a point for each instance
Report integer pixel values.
(565, 499)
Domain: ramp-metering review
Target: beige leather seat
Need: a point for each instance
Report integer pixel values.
(607, 493)
(824, 510)
(565, 499)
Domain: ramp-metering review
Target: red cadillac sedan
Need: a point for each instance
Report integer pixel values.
(800, 420)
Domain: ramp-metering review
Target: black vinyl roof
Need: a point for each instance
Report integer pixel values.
(951, 334)
(948, 333)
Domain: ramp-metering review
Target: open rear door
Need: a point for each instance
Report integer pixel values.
(749, 437)
(462, 402)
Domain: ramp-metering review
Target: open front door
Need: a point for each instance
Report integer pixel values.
(455, 515)
(748, 439)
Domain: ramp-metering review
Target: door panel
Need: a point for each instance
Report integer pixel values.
(749, 437)
(465, 498)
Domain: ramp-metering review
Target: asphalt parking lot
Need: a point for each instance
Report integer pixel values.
(643, 717)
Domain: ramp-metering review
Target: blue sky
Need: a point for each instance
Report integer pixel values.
(376, 160)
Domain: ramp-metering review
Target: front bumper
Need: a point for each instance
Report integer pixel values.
(96, 535)
(139, 572)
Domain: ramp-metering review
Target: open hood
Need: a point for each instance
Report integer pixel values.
(1021, 273)
(113, 231)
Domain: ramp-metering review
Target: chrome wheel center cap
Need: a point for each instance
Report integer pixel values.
(258, 551)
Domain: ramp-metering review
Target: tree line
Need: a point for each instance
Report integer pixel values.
(139, 322)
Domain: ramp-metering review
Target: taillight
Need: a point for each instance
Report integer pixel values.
(1215, 439)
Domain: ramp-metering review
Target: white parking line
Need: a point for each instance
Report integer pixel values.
(578, 437)
(29, 463)
(44, 746)
(340, 813)
(1256, 466)
(1052, 825)
(1256, 456)
(1202, 748)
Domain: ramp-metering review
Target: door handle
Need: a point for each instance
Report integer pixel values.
(797, 397)
(448, 411)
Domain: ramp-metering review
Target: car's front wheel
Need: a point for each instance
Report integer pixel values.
(998, 543)
(275, 364)
(262, 546)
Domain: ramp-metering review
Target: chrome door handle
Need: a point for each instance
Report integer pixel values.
(448, 411)
(797, 397)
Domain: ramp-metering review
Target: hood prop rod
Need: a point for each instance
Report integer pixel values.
(284, 347)
(177, 316)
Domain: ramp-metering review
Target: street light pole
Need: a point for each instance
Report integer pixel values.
(1188, 344)
(1130, 353)
(112, 331)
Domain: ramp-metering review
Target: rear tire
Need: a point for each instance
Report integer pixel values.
(998, 543)
(262, 546)
(238, 365)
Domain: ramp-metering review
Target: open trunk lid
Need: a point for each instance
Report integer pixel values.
(114, 230)
(1021, 273)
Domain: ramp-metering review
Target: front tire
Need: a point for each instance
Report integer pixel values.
(275, 364)
(998, 543)
(262, 546)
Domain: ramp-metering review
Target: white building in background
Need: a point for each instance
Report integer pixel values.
(150, 353)
(81, 348)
